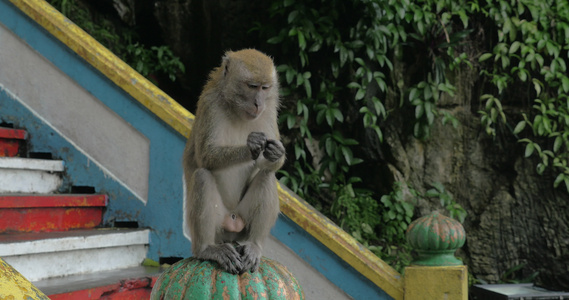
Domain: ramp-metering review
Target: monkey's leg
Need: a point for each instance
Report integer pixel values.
(259, 207)
(206, 212)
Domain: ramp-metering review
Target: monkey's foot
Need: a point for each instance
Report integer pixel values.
(250, 257)
(233, 223)
(225, 255)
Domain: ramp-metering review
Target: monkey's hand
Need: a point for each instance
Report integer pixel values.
(274, 150)
(256, 142)
(228, 258)
(250, 257)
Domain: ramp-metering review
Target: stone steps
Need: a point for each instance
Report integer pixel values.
(44, 255)
(53, 239)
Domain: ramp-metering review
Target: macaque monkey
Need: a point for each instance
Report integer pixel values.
(230, 162)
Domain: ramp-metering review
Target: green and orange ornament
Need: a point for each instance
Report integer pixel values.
(193, 278)
(436, 238)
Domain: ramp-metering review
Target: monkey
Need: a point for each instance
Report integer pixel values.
(230, 160)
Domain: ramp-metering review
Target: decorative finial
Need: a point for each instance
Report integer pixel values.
(436, 238)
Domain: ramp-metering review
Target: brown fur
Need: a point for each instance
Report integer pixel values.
(230, 161)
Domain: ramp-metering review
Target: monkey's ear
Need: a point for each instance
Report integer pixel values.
(225, 65)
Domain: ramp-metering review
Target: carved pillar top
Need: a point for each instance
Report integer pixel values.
(435, 238)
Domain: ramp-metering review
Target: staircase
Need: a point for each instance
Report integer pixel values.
(55, 240)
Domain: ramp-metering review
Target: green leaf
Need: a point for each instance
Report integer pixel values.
(537, 86)
(514, 47)
(275, 40)
(430, 113)
(419, 110)
(484, 57)
(338, 115)
(360, 94)
(427, 92)
(413, 94)
(558, 143)
(330, 147)
(366, 228)
(521, 125)
(353, 85)
(529, 149)
(560, 178)
(432, 193)
(308, 88)
(292, 32)
(290, 121)
(292, 16)
(348, 155)
(565, 82)
(463, 18)
(330, 117)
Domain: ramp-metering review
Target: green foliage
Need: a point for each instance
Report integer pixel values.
(530, 53)
(455, 210)
(156, 59)
(146, 61)
(338, 73)
(348, 66)
(396, 215)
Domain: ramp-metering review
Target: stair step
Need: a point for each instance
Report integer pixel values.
(129, 283)
(37, 213)
(44, 255)
(11, 141)
(29, 175)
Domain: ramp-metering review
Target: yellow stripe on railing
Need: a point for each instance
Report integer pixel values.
(159, 103)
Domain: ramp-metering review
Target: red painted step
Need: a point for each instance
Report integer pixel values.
(129, 289)
(44, 213)
(11, 141)
(133, 283)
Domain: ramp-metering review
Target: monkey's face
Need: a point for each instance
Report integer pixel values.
(255, 96)
(250, 83)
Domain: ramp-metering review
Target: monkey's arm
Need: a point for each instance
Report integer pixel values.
(217, 157)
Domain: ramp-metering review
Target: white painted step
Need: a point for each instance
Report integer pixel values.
(39, 256)
(29, 175)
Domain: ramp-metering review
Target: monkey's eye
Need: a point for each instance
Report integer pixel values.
(265, 87)
(253, 85)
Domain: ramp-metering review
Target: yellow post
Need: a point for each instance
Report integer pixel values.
(13, 286)
(436, 283)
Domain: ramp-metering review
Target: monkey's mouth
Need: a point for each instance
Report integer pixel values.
(253, 113)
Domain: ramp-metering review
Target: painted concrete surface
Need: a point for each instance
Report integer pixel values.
(24, 175)
(81, 117)
(436, 282)
(44, 255)
(314, 284)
